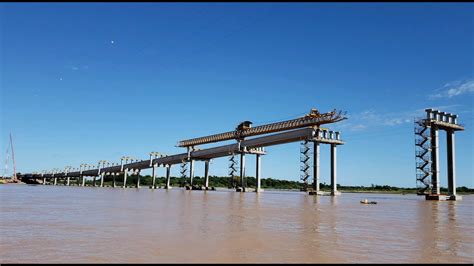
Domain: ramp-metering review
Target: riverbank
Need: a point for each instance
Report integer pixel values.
(369, 191)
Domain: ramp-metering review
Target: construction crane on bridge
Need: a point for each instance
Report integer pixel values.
(245, 129)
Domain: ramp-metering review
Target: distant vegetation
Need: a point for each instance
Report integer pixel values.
(266, 183)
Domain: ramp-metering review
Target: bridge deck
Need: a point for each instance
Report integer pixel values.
(252, 147)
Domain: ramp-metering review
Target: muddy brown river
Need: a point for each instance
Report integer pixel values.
(42, 224)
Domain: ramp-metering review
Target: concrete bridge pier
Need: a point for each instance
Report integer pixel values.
(435, 160)
(191, 172)
(168, 170)
(67, 181)
(206, 174)
(44, 180)
(94, 181)
(55, 181)
(125, 173)
(153, 176)
(83, 180)
(138, 179)
(114, 184)
(257, 174)
(316, 176)
(334, 191)
(242, 172)
(451, 165)
(102, 175)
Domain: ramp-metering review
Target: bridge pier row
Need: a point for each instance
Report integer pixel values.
(125, 178)
(168, 176)
(257, 174)
(206, 174)
(334, 191)
(153, 176)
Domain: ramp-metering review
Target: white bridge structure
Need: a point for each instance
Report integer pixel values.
(304, 129)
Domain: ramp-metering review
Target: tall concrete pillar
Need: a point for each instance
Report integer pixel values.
(334, 191)
(451, 163)
(168, 176)
(44, 180)
(242, 170)
(435, 160)
(138, 180)
(93, 183)
(206, 174)
(191, 171)
(257, 173)
(67, 181)
(153, 177)
(113, 180)
(83, 180)
(316, 182)
(55, 181)
(102, 175)
(125, 173)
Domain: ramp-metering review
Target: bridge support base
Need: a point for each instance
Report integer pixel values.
(319, 193)
(442, 197)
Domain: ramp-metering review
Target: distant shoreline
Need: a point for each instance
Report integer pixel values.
(401, 192)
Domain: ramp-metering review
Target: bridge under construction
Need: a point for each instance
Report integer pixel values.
(427, 153)
(306, 129)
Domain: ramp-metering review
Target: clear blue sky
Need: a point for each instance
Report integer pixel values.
(81, 82)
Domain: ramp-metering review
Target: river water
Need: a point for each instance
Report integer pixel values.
(42, 224)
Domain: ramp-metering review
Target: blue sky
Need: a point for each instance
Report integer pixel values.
(81, 82)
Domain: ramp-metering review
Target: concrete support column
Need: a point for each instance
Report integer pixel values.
(67, 181)
(125, 173)
(102, 175)
(257, 173)
(94, 183)
(206, 174)
(153, 177)
(435, 161)
(44, 180)
(242, 170)
(168, 170)
(55, 181)
(83, 180)
(334, 191)
(113, 180)
(138, 180)
(451, 163)
(316, 180)
(191, 172)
